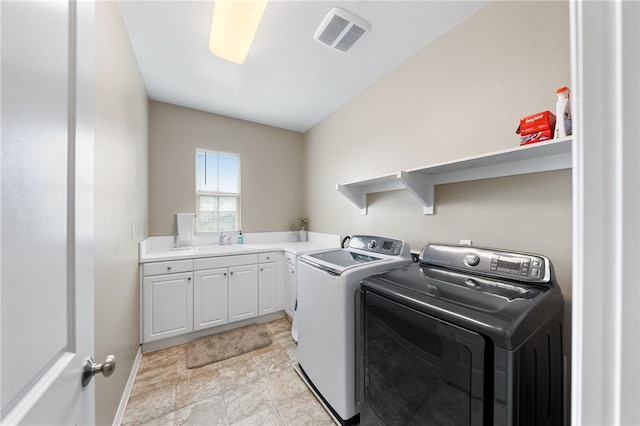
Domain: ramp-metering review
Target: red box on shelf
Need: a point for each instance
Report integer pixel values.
(544, 135)
(539, 122)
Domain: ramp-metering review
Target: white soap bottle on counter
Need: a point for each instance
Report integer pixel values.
(563, 114)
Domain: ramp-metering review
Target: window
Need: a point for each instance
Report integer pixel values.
(217, 191)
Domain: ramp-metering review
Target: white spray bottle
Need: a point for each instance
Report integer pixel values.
(563, 114)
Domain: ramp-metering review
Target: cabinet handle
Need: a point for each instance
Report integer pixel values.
(231, 273)
(168, 268)
(225, 274)
(189, 279)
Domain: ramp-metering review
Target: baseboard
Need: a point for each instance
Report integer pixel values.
(117, 420)
(185, 338)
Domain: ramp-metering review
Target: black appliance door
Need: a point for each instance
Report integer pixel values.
(419, 370)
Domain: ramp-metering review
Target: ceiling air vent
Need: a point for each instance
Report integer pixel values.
(341, 30)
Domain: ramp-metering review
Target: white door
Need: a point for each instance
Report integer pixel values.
(210, 298)
(168, 306)
(290, 284)
(243, 292)
(267, 291)
(46, 233)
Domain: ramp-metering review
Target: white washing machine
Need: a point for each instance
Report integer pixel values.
(328, 311)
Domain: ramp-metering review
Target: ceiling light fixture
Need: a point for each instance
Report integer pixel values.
(233, 26)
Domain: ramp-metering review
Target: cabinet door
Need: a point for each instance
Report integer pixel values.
(210, 298)
(267, 289)
(243, 292)
(290, 289)
(167, 306)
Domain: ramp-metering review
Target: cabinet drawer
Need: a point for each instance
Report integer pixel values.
(290, 258)
(267, 257)
(170, 267)
(224, 261)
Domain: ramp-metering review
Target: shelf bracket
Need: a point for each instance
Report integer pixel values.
(421, 187)
(359, 199)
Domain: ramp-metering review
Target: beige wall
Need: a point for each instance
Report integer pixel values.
(461, 96)
(120, 203)
(271, 167)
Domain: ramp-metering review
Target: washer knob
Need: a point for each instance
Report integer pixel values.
(372, 244)
(471, 259)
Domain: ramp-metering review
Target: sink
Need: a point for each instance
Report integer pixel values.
(217, 249)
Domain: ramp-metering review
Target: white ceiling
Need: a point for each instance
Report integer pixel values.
(289, 80)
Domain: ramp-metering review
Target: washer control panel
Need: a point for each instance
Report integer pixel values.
(380, 245)
(523, 267)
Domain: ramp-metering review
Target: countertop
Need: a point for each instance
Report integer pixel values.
(164, 252)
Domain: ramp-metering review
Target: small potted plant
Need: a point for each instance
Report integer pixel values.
(298, 229)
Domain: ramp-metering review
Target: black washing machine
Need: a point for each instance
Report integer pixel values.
(467, 336)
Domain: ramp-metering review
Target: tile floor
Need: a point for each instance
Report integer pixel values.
(258, 388)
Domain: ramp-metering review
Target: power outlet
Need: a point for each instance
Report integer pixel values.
(466, 242)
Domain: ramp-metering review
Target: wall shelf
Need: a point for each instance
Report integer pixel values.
(534, 158)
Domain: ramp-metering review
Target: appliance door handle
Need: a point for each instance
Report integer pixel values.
(323, 268)
(471, 283)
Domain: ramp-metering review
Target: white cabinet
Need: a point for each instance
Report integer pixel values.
(169, 267)
(182, 296)
(267, 284)
(167, 300)
(210, 298)
(243, 292)
(290, 283)
(226, 289)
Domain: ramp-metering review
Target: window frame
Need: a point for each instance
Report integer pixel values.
(200, 193)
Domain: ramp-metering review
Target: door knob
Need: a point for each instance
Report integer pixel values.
(90, 368)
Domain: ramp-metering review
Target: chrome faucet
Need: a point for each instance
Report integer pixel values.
(221, 239)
